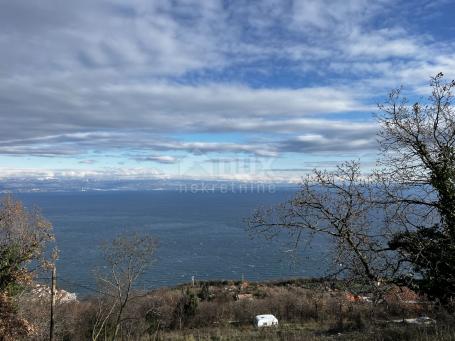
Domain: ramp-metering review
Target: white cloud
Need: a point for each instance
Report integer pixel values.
(282, 76)
(105, 173)
(381, 45)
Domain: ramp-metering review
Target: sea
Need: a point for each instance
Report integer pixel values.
(201, 235)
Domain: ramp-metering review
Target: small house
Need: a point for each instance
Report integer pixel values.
(266, 320)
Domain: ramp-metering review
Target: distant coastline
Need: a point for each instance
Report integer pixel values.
(30, 185)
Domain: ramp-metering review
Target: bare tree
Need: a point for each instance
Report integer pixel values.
(418, 178)
(127, 258)
(398, 224)
(339, 206)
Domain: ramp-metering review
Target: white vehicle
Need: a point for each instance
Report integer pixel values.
(267, 320)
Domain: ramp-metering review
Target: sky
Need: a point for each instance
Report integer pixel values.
(208, 89)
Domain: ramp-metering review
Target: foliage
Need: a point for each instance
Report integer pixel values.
(11, 325)
(185, 309)
(432, 255)
(154, 321)
(304, 313)
(418, 154)
(204, 293)
(24, 235)
(396, 225)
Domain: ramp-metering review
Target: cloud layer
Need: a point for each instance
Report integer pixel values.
(264, 78)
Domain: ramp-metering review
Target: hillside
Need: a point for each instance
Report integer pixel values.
(224, 310)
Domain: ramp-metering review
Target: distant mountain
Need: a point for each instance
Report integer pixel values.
(18, 184)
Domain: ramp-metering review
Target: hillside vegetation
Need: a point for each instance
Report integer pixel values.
(224, 310)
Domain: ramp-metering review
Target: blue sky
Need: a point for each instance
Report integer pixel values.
(244, 90)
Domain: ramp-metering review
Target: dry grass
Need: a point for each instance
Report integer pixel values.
(310, 332)
(307, 310)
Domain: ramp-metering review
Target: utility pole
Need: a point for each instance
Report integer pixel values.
(53, 289)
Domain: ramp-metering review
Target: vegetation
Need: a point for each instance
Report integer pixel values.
(24, 236)
(397, 224)
(418, 145)
(306, 309)
(127, 258)
(393, 242)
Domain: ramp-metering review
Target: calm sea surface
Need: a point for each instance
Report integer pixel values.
(200, 234)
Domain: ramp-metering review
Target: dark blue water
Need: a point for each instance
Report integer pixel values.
(200, 234)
